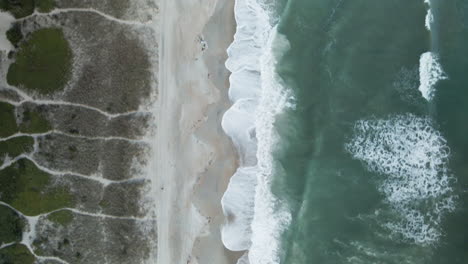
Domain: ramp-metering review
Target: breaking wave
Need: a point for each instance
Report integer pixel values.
(429, 16)
(254, 216)
(430, 72)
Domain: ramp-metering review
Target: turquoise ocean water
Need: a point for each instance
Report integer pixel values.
(367, 132)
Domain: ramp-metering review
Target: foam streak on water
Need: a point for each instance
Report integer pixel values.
(429, 16)
(412, 158)
(254, 221)
(430, 72)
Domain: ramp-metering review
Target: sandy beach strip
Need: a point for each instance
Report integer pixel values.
(194, 158)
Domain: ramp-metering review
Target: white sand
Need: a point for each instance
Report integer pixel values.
(5, 23)
(194, 158)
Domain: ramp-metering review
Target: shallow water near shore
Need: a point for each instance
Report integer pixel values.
(368, 145)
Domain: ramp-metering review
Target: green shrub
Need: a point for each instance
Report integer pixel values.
(34, 122)
(30, 190)
(14, 34)
(11, 225)
(43, 62)
(63, 217)
(7, 117)
(45, 6)
(18, 8)
(15, 147)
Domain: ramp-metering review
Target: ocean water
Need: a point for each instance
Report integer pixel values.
(350, 118)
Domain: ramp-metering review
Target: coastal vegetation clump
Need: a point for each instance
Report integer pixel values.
(14, 34)
(23, 8)
(7, 115)
(15, 147)
(16, 254)
(63, 217)
(45, 6)
(31, 121)
(34, 122)
(11, 225)
(43, 62)
(30, 190)
(18, 8)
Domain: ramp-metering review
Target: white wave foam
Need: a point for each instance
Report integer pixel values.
(270, 217)
(429, 19)
(253, 220)
(414, 158)
(244, 259)
(430, 72)
(238, 207)
(429, 16)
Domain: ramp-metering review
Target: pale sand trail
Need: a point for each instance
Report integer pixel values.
(194, 158)
(5, 22)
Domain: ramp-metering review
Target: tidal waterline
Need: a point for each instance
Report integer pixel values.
(372, 172)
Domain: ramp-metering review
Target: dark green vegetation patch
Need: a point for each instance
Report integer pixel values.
(15, 147)
(63, 217)
(16, 254)
(31, 121)
(14, 34)
(34, 122)
(43, 62)
(7, 116)
(23, 8)
(18, 8)
(11, 226)
(45, 6)
(30, 190)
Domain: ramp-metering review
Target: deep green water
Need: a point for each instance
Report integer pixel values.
(357, 62)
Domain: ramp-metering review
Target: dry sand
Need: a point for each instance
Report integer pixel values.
(194, 158)
(5, 22)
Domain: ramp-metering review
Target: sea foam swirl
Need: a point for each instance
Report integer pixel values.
(413, 158)
(254, 221)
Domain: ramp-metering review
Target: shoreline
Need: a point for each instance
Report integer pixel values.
(194, 158)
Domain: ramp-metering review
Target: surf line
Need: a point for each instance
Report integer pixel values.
(430, 69)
